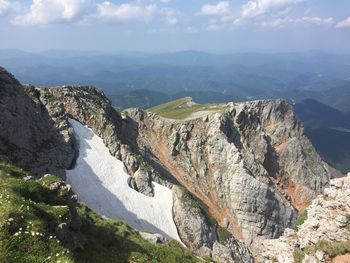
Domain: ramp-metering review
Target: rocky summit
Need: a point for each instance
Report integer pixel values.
(239, 173)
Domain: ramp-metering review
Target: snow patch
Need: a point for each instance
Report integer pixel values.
(100, 181)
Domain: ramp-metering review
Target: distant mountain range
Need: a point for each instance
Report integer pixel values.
(144, 80)
(216, 77)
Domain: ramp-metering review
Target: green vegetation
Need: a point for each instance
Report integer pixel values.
(331, 249)
(298, 255)
(300, 220)
(328, 198)
(347, 225)
(183, 108)
(223, 234)
(194, 202)
(30, 212)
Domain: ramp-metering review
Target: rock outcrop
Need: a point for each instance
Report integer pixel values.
(69, 232)
(90, 106)
(193, 224)
(30, 137)
(201, 233)
(328, 220)
(251, 165)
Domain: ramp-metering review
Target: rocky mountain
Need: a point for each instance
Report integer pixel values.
(251, 164)
(239, 173)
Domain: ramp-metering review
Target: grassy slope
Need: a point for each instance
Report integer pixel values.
(180, 109)
(29, 213)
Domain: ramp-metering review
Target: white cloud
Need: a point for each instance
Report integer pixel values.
(314, 20)
(272, 13)
(43, 12)
(278, 22)
(171, 16)
(4, 6)
(165, 1)
(344, 24)
(306, 21)
(222, 8)
(127, 12)
(258, 7)
(9, 7)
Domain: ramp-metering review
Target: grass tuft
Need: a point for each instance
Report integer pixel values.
(300, 219)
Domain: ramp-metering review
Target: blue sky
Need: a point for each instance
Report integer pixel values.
(170, 25)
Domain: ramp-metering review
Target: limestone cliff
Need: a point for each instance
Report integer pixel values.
(251, 165)
(247, 170)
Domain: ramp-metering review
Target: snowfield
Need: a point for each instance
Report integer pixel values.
(100, 181)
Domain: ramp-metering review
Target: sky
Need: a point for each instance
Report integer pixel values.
(172, 25)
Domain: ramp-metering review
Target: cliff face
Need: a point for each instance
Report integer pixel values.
(248, 168)
(251, 165)
(31, 135)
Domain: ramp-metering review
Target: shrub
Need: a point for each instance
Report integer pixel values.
(298, 255)
(300, 219)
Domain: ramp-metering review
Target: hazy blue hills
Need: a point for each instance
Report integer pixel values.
(239, 75)
(329, 131)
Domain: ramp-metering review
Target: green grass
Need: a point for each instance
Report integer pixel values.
(181, 109)
(347, 225)
(30, 212)
(223, 234)
(331, 249)
(192, 201)
(298, 255)
(300, 219)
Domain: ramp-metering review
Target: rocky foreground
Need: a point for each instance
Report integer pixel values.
(324, 236)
